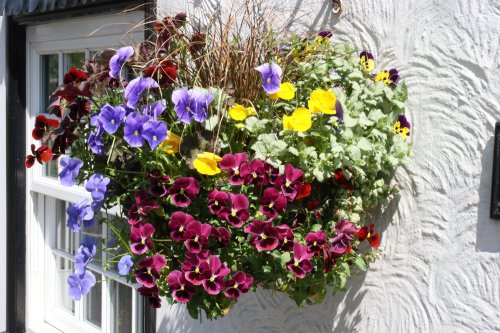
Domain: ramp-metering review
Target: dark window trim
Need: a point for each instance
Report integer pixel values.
(15, 78)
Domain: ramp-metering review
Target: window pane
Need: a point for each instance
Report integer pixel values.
(93, 302)
(66, 240)
(95, 232)
(50, 82)
(121, 307)
(64, 269)
(76, 59)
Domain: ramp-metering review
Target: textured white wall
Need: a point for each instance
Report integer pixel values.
(3, 208)
(441, 271)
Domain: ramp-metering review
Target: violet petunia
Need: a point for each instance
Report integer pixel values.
(133, 130)
(140, 237)
(263, 235)
(154, 132)
(70, 167)
(240, 283)
(116, 62)
(84, 254)
(149, 270)
(125, 264)
(80, 284)
(78, 214)
(213, 278)
(271, 77)
(97, 186)
(111, 117)
(183, 190)
(136, 87)
(181, 289)
(300, 264)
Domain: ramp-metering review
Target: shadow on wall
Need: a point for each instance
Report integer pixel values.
(488, 230)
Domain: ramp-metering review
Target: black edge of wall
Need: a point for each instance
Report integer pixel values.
(16, 176)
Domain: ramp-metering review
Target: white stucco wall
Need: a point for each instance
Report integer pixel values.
(441, 271)
(3, 208)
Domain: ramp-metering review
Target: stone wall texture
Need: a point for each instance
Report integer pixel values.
(441, 268)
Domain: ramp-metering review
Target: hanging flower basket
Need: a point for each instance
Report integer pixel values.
(237, 162)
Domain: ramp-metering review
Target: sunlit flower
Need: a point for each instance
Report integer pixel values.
(322, 101)
(196, 236)
(344, 230)
(299, 121)
(70, 167)
(369, 234)
(286, 92)
(136, 87)
(213, 278)
(254, 172)
(402, 127)
(240, 283)
(237, 212)
(140, 237)
(233, 163)
(116, 62)
(272, 203)
(206, 163)
(125, 264)
(264, 236)
(171, 143)
(194, 266)
(300, 264)
(366, 60)
(285, 236)
(178, 224)
(390, 77)
(181, 289)
(42, 126)
(271, 77)
(149, 270)
(80, 284)
(183, 190)
(41, 154)
(239, 112)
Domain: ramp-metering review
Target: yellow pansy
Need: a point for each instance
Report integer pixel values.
(366, 60)
(206, 163)
(299, 121)
(172, 142)
(322, 101)
(286, 92)
(239, 112)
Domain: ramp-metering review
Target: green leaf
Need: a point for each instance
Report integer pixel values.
(350, 121)
(266, 269)
(211, 122)
(365, 144)
(316, 227)
(360, 263)
(285, 257)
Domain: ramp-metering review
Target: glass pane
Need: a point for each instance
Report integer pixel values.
(121, 307)
(64, 269)
(95, 232)
(50, 82)
(102, 57)
(65, 238)
(76, 59)
(93, 302)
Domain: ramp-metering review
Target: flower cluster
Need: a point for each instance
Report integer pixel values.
(223, 184)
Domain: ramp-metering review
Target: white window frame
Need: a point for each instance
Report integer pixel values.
(77, 35)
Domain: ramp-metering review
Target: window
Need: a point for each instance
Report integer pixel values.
(113, 305)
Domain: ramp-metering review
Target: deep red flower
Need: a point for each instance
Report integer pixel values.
(153, 294)
(181, 289)
(140, 237)
(316, 241)
(217, 201)
(41, 154)
(213, 278)
(311, 205)
(196, 236)
(42, 125)
(194, 266)
(222, 235)
(369, 234)
(285, 236)
(300, 264)
(272, 173)
(142, 207)
(157, 183)
(290, 182)
(305, 191)
(75, 75)
(78, 108)
(237, 213)
(272, 203)
(164, 73)
(183, 190)
(178, 224)
(149, 270)
(233, 164)
(341, 180)
(254, 172)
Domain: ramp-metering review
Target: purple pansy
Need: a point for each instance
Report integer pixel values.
(111, 117)
(140, 237)
(272, 203)
(178, 224)
(291, 182)
(325, 34)
(125, 264)
(80, 284)
(183, 190)
(271, 77)
(136, 87)
(222, 235)
(78, 214)
(154, 109)
(316, 242)
(84, 254)
(213, 278)
(133, 130)
(149, 270)
(116, 62)
(157, 184)
(95, 141)
(263, 235)
(240, 283)
(343, 237)
(237, 213)
(181, 289)
(191, 103)
(154, 132)
(233, 164)
(70, 167)
(97, 186)
(196, 236)
(300, 264)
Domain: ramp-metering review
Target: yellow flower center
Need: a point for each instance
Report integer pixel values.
(270, 205)
(254, 175)
(296, 263)
(181, 191)
(287, 184)
(182, 288)
(235, 286)
(268, 80)
(263, 236)
(233, 212)
(216, 203)
(315, 243)
(212, 279)
(197, 270)
(112, 121)
(149, 271)
(136, 133)
(285, 240)
(196, 239)
(236, 172)
(181, 229)
(155, 138)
